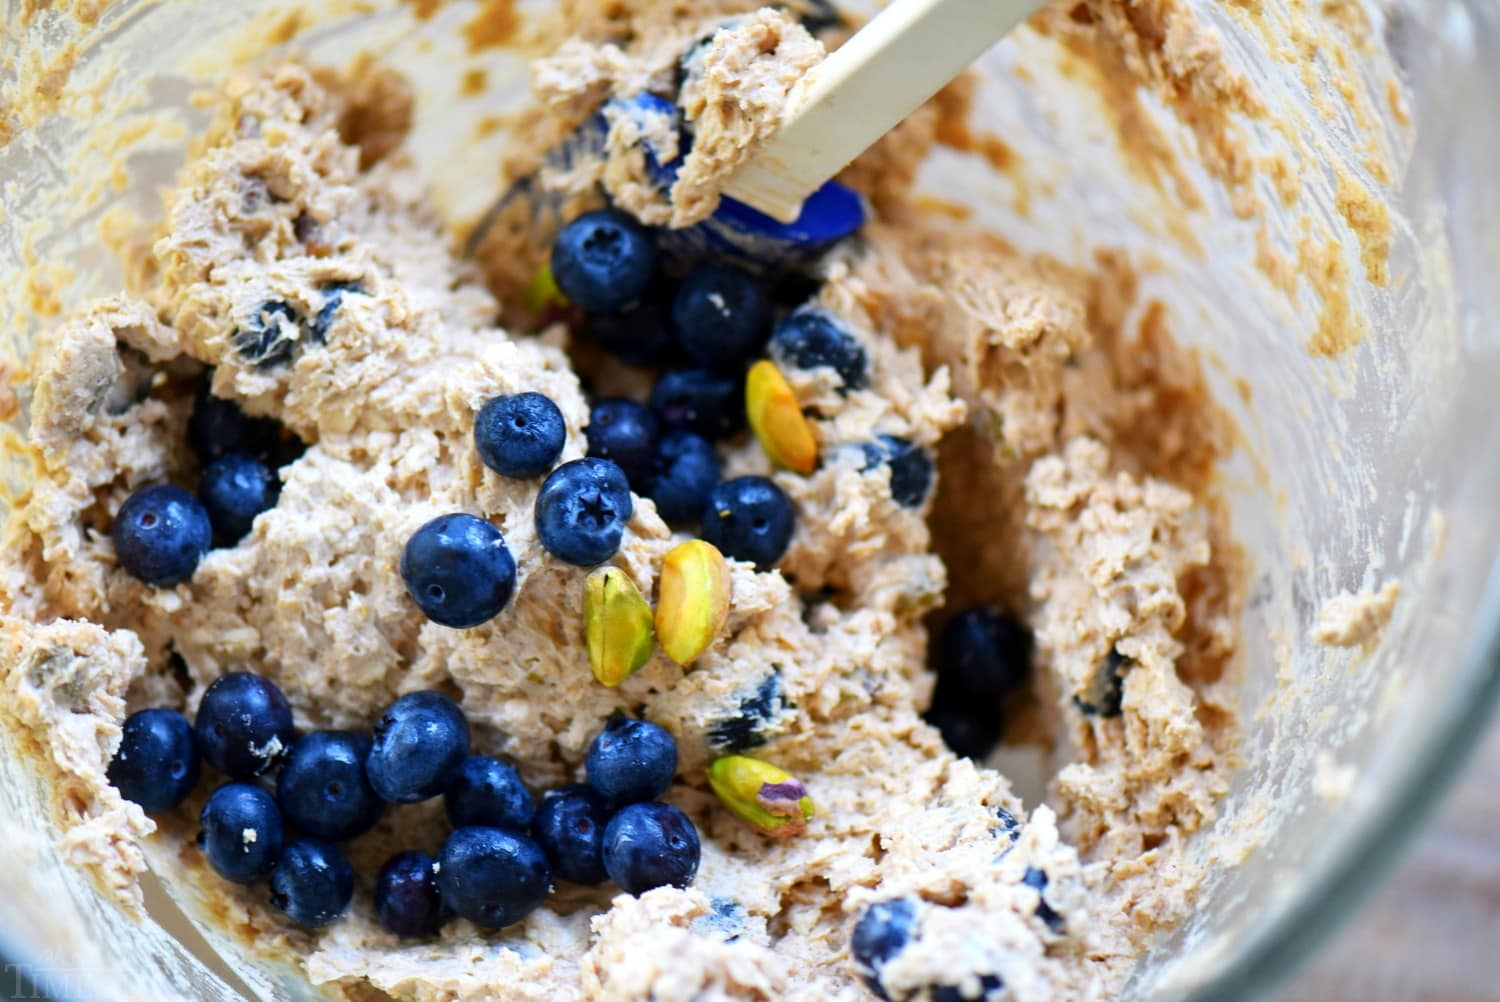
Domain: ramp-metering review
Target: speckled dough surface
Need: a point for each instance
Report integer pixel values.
(1074, 445)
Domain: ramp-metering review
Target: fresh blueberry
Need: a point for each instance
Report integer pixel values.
(756, 711)
(969, 729)
(270, 337)
(1107, 688)
(820, 15)
(407, 900)
(721, 317)
(649, 845)
(333, 298)
(244, 724)
(983, 653)
(989, 984)
(632, 760)
(603, 261)
(218, 427)
(684, 471)
(569, 826)
(160, 535)
(458, 570)
(489, 793)
(157, 762)
(625, 433)
(637, 335)
(749, 518)
(582, 509)
(235, 488)
(811, 339)
(323, 789)
(492, 877)
(420, 745)
(520, 435)
(313, 882)
(242, 832)
(911, 468)
(705, 403)
(1037, 880)
(882, 932)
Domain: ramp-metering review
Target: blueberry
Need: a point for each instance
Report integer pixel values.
(1037, 879)
(638, 334)
(490, 793)
(811, 339)
(650, 845)
(969, 729)
(323, 789)
(1009, 824)
(582, 509)
(244, 724)
(684, 471)
(333, 298)
(160, 535)
(218, 427)
(458, 570)
(520, 435)
(984, 653)
(569, 826)
(721, 317)
(603, 261)
(407, 901)
(1107, 687)
(420, 745)
(235, 488)
(632, 760)
(882, 932)
(492, 877)
(157, 762)
(747, 727)
(989, 984)
(242, 832)
(269, 338)
(749, 518)
(702, 402)
(911, 468)
(625, 433)
(313, 882)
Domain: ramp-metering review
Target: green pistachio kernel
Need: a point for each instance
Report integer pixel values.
(768, 798)
(617, 625)
(692, 599)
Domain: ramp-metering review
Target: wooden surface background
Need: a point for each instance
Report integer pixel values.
(1431, 933)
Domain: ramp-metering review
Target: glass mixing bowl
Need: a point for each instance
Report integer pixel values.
(1373, 464)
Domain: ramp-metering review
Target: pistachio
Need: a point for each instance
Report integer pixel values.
(766, 797)
(617, 625)
(541, 291)
(693, 601)
(777, 419)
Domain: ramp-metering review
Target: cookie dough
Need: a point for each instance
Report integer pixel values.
(300, 271)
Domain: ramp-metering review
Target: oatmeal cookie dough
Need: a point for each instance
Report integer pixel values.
(300, 271)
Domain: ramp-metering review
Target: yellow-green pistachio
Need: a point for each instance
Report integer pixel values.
(541, 291)
(766, 797)
(777, 419)
(693, 599)
(617, 625)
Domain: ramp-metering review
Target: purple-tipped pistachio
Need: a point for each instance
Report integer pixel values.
(766, 797)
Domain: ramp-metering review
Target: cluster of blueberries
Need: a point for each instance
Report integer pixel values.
(703, 331)
(495, 866)
(982, 655)
(162, 531)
